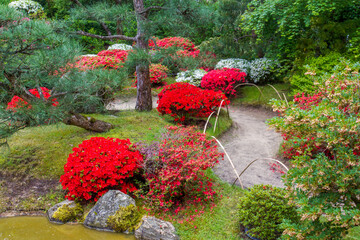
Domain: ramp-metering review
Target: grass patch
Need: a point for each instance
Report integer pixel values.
(218, 222)
(41, 152)
(250, 95)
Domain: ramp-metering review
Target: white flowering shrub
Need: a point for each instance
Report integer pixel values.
(262, 70)
(26, 5)
(242, 64)
(191, 76)
(120, 46)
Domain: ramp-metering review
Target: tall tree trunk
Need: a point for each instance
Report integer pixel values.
(143, 101)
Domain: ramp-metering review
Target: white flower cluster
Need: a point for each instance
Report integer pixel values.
(191, 76)
(261, 69)
(257, 71)
(242, 64)
(27, 5)
(120, 46)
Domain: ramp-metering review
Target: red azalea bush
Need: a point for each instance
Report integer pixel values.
(98, 165)
(223, 79)
(18, 102)
(158, 73)
(183, 101)
(107, 59)
(178, 42)
(174, 168)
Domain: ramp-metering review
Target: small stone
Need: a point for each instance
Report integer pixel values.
(155, 229)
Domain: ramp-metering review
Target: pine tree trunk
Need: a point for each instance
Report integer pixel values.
(143, 101)
(88, 123)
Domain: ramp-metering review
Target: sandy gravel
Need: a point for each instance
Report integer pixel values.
(250, 139)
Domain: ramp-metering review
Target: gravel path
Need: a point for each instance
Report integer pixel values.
(247, 140)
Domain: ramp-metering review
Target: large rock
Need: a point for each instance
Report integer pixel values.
(155, 229)
(50, 213)
(106, 206)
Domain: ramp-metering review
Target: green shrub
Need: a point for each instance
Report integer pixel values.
(322, 131)
(262, 210)
(126, 218)
(302, 80)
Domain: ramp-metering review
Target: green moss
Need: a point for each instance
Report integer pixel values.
(126, 218)
(67, 213)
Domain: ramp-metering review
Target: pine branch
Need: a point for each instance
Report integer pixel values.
(146, 10)
(122, 37)
(104, 26)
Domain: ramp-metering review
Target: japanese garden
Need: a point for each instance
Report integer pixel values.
(180, 119)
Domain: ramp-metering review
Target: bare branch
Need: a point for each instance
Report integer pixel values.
(105, 27)
(41, 94)
(122, 37)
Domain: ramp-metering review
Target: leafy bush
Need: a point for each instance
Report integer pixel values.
(97, 165)
(302, 79)
(158, 73)
(174, 168)
(262, 210)
(223, 79)
(242, 64)
(323, 131)
(184, 101)
(107, 59)
(191, 76)
(120, 46)
(26, 5)
(178, 42)
(263, 70)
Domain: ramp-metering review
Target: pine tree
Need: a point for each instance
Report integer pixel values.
(35, 55)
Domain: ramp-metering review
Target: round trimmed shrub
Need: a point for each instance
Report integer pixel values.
(223, 79)
(120, 46)
(98, 165)
(184, 101)
(262, 210)
(26, 5)
(191, 76)
(242, 64)
(262, 70)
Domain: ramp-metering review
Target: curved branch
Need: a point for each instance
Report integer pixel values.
(122, 37)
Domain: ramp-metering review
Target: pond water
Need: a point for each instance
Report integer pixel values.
(39, 228)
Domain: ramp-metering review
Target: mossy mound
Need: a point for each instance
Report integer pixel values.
(68, 212)
(126, 218)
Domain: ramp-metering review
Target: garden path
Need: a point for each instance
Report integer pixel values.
(247, 140)
(250, 139)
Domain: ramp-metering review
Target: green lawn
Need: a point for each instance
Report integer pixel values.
(251, 96)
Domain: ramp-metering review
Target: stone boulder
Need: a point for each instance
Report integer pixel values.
(105, 207)
(69, 211)
(155, 229)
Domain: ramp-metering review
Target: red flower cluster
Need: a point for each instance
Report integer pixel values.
(97, 165)
(178, 42)
(183, 100)
(158, 73)
(305, 102)
(107, 59)
(223, 79)
(184, 154)
(18, 102)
